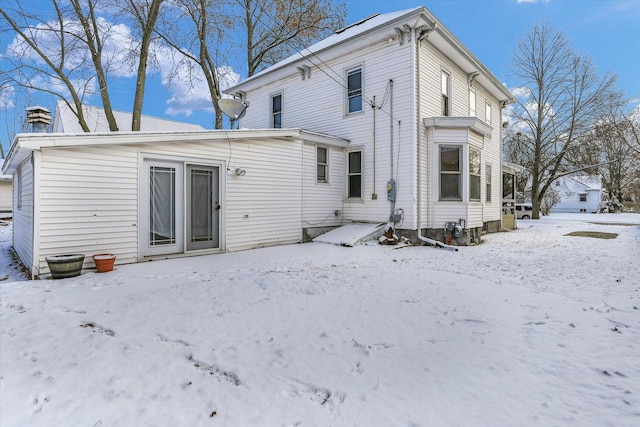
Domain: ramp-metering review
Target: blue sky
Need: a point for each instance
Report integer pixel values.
(606, 30)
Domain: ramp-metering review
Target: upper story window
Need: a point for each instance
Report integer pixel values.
(446, 93)
(472, 103)
(583, 197)
(276, 111)
(354, 175)
(322, 164)
(474, 174)
(354, 90)
(450, 172)
(487, 113)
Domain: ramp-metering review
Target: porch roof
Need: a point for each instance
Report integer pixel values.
(24, 144)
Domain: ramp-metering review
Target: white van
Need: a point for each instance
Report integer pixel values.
(523, 210)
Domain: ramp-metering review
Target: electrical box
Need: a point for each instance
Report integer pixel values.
(391, 190)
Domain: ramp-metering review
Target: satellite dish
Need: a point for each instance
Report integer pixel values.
(232, 108)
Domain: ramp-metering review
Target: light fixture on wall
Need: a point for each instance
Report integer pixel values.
(240, 172)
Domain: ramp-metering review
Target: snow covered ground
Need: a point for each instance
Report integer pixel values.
(530, 328)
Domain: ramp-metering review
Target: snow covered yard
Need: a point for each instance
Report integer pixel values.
(531, 327)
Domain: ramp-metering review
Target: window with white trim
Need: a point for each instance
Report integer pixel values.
(276, 111)
(354, 175)
(450, 172)
(354, 90)
(487, 113)
(583, 197)
(474, 174)
(472, 103)
(19, 189)
(322, 164)
(487, 172)
(445, 81)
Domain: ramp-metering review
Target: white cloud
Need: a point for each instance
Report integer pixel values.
(186, 82)
(183, 79)
(7, 97)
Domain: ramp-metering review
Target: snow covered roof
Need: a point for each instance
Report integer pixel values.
(588, 181)
(384, 27)
(65, 121)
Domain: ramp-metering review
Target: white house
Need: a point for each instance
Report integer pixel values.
(580, 194)
(6, 191)
(421, 112)
(390, 119)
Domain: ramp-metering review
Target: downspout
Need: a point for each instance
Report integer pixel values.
(391, 185)
(416, 127)
(374, 195)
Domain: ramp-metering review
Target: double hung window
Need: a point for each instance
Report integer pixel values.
(322, 163)
(276, 110)
(472, 103)
(450, 173)
(354, 90)
(474, 174)
(446, 93)
(354, 175)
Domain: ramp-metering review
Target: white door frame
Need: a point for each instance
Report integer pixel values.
(180, 164)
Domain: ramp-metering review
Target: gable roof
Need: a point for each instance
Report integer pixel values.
(381, 27)
(65, 121)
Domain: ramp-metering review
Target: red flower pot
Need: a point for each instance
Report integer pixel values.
(104, 262)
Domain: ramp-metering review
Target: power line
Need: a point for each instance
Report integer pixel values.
(341, 83)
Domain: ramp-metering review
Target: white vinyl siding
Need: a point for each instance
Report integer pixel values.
(90, 201)
(23, 221)
(322, 200)
(382, 61)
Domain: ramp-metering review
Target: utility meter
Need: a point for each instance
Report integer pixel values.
(391, 190)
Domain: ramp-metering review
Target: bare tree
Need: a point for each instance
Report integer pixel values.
(276, 29)
(46, 55)
(145, 13)
(564, 96)
(66, 55)
(611, 149)
(195, 29)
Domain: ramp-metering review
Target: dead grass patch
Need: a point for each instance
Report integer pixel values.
(596, 234)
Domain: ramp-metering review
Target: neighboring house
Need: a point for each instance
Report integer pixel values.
(579, 193)
(422, 114)
(6, 193)
(427, 158)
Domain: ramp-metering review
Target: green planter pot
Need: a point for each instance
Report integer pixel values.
(63, 266)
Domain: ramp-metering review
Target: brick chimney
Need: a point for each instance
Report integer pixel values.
(39, 117)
